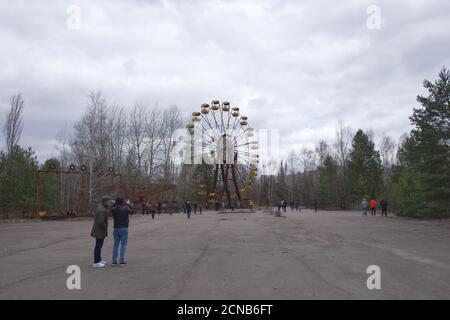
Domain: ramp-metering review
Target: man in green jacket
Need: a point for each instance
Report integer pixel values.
(100, 229)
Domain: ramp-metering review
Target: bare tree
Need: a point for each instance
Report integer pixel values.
(322, 151)
(117, 136)
(293, 166)
(154, 135)
(138, 131)
(342, 147)
(90, 143)
(14, 122)
(309, 163)
(343, 143)
(387, 151)
(171, 122)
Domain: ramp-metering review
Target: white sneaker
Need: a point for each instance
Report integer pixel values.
(99, 265)
(104, 262)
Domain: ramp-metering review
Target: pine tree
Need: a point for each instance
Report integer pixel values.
(50, 188)
(365, 168)
(17, 181)
(327, 187)
(423, 175)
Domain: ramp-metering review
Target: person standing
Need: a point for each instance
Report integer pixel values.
(159, 207)
(100, 229)
(188, 209)
(200, 207)
(279, 205)
(315, 205)
(251, 205)
(195, 208)
(153, 208)
(364, 207)
(384, 206)
(373, 207)
(120, 213)
(284, 205)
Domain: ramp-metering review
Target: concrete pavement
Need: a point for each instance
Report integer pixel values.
(304, 255)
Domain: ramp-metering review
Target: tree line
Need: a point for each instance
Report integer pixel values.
(112, 149)
(412, 173)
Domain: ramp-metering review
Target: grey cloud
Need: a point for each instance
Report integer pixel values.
(296, 66)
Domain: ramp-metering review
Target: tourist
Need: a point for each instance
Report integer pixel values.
(364, 207)
(284, 205)
(153, 208)
(384, 206)
(121, 212)
(171, 208)
(373, 207)
(250, 205)
(188, 209)
(100, 229)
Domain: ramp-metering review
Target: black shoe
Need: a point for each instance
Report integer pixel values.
(123, 263)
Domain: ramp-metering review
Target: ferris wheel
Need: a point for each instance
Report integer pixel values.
(223, 140)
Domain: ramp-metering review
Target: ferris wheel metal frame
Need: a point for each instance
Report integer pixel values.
(230, 145)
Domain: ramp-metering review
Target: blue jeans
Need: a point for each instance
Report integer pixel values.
(120, 237)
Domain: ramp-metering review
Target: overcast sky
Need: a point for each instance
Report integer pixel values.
(298, 66)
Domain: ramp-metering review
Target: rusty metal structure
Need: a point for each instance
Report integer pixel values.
(78, 171)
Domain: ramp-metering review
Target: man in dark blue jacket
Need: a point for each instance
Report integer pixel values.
(188, 209)
(120, 213)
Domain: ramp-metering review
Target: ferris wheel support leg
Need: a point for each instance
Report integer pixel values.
(227, 166)
(233, 175)
(214, 184)
(224, 181)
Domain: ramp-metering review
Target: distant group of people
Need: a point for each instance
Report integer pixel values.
(220, 206)
(151, 207)
(372, 204)
(294, 205)
(121, 210)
